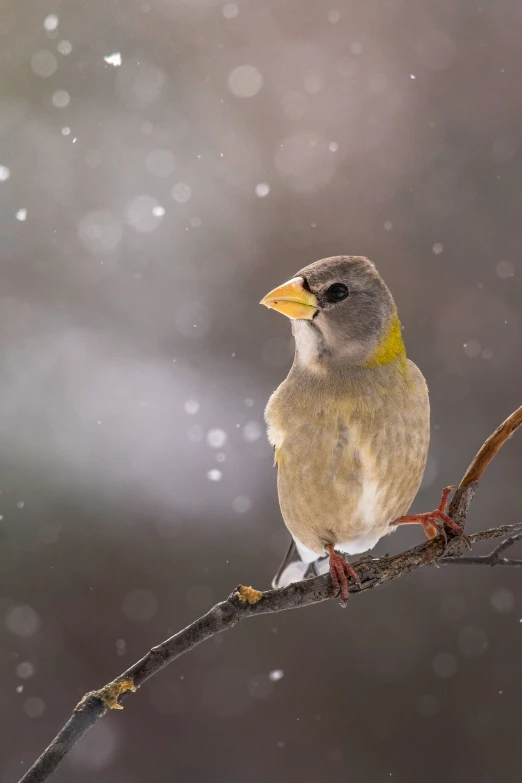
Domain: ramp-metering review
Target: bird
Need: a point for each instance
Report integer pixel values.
(350, 424)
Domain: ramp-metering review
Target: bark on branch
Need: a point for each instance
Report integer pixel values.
(246, 602)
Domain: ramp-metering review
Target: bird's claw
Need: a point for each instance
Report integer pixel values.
(456, 530)
(436, 523)
(339, 571)
(448, 522)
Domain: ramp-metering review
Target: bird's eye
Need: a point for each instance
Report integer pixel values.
(337, 292)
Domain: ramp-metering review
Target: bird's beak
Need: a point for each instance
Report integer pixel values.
(292, 299)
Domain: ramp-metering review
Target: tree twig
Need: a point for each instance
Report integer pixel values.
(493, 559)
(495, 441)
(246, 602)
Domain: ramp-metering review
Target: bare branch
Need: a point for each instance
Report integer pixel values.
(495, 441)
(246, 602)
(493, 559)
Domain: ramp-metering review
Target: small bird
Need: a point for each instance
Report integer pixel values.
(350, 423)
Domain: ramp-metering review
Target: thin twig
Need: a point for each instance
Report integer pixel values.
(493, 559)
(246, 602)
(495, 441)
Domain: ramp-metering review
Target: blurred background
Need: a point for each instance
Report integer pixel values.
(163, 164)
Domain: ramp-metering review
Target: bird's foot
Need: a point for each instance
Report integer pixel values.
(339, 571)
(435, 522)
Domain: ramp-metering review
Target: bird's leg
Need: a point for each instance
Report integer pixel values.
(339, 570)
(435, 522)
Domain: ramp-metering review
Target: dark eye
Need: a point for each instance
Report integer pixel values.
(337, 292)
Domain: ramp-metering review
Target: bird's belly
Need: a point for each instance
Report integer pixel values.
(347, 490)
(352, 517)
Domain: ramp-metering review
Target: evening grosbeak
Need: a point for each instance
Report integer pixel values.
(350, 423)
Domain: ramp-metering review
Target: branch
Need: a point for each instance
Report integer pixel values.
(246, 602)
(493, 559)
(495, 441)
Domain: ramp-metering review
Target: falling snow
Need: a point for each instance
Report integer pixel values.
(505, 269)
(262, 189)
(44, 63)
(241, 504)
(245, 81)
(252, 431)
(22, 621)
(192, 407)
(64, 47)
(51, 22)
(144, 213)
(181, 192)
(472, 348)
(61, 99)
(113, 59)
(25, 670)
(34, 707)
(216, 438)
(230, 11)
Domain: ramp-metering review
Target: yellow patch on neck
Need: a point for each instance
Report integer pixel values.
(391, 347)
(278, 456)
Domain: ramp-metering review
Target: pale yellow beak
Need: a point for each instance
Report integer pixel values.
(292, 299)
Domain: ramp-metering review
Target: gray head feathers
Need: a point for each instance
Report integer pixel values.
(356, 314)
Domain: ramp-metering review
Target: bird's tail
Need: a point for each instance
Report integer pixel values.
(298, 565)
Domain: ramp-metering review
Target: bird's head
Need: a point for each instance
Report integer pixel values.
(342, 312)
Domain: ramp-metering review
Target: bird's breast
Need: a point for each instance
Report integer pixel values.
(347, 467)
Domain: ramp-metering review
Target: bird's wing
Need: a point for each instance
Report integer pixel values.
(295, 570)
(287, 560)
